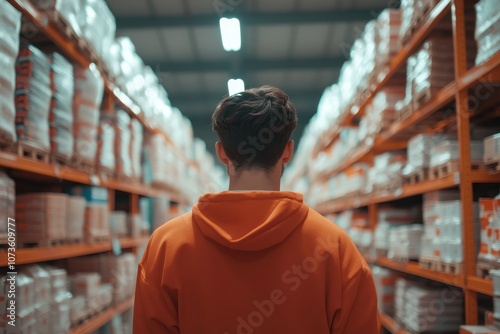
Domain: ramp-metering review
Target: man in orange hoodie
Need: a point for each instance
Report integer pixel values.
(254, 259)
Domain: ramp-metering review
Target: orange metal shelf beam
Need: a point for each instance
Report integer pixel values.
(399, 60)
(391, 325)
(44, 254)
(13, 161)
(481, 285)
(413, 268)
(409, 190)
(487, 71)
(103, 318)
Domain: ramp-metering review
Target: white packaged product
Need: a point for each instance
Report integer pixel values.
(10, 25)
(118, 223)
(89, 90)
(122, 147)
(69, 10)
(449, 151)
(58, 280)
(75, 218)
(60, 309)
(7, 202)
(492, 149)
(106, 160)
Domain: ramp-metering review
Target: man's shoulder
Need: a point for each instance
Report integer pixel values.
(320, 224)
(176, 229)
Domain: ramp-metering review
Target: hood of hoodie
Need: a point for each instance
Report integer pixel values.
(249, 221)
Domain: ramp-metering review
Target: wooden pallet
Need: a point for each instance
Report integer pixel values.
(493, 166)
(73, 241)
(435, 264)
(400, 259)
(388, 188)
(406, 111)
(483, 268)
(450, 167)
(31, 151)
(429, 262)
(42, 243)
(62, 25)
(60, 159)
(96, 239)
(83, 165)
(127, 179)
(417, 176)
(424, 96)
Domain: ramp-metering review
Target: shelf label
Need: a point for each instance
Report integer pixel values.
(117, 248)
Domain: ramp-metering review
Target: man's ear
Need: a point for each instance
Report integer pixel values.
(221, 153)
(287, 152)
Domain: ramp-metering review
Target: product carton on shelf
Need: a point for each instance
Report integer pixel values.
(24, 303)
(7, 204)
(118, 223)
(385, 284)
(492, 149)
(78, 309)
(60, 309)
(106, 161)
(33, 95)
(89, 90)
(75, 218)
(448, 151)
(87, 285)
(10, 25)
(487, 31)
(41, 218)
(123, 140)
(58, 281)
(61, 107)
(489, 250)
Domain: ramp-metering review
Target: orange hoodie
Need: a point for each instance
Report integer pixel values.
(253, 262)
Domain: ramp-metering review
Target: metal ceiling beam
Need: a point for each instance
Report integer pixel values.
(248, 65)
(300, 97)
(335, 16)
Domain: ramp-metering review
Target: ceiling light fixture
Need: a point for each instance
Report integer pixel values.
(235, 86)
(230, 33)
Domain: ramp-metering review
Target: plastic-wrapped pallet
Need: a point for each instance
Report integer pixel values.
(385, 284)
(96, 226)
(492, 149)
(136, 148)
(122, 144)
(405, 242)
(389, 25)
(386, 173)
(408, 9)
(448, 151)
(33, 96)
(89, 90)
(487, 32)
(388, 218)
(69, 10)
(382, 111)
(10, 24)
(489, 250)
(98, 25)
(430, 208)
(87, 285)
(106, 141)
(7, 204)
(61, 107)
(416, 306)
(24, 311)
(41, 218)
(42, 287)
(418, 151)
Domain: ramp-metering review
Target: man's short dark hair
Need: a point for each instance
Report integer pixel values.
(254, 126)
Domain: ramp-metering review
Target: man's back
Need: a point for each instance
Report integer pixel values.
(253, 262)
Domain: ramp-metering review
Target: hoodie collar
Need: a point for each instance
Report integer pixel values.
(249, 221)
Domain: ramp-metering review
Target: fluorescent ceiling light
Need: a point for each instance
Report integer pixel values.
(235, 86)
(230, 33)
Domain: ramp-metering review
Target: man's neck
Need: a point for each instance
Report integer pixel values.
(255, 180)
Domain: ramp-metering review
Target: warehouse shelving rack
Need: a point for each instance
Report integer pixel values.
(397, 136)
(53, 174)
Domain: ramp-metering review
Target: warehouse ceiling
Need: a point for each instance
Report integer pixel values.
(296, 45)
